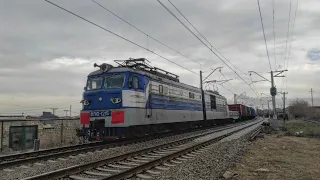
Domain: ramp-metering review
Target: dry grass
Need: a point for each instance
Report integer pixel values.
(309, 129)
(292, 158)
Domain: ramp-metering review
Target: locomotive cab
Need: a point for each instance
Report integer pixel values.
(107, 94)
(104, 91)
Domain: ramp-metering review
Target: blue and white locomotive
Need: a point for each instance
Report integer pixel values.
(135, 99)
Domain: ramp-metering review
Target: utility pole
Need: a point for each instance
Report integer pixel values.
(284, 106)
(70, 110)
(311, 91)
(62, 126)
(269, 109)
(202, 92)
(66, 112)
(203, 98)
(53, 110)
(273, 92)
(262, 110)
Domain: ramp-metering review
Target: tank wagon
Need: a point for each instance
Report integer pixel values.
(134, 99)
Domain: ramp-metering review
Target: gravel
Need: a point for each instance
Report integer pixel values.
(212, 163)
(20, 173)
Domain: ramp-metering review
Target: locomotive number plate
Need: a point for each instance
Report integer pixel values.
(100, 113)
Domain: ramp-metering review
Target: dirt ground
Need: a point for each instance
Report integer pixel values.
(281, 158)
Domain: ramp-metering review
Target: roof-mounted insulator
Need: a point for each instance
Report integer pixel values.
(104, 66)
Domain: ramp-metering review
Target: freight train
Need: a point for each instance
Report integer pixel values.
(135, 99)
(241, 112)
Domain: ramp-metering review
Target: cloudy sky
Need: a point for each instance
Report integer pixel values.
(46, 53)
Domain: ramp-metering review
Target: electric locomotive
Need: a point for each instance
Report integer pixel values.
(135, 99)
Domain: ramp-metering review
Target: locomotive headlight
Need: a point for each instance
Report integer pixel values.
(86, 102)
(100, 99)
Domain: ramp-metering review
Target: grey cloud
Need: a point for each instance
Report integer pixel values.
(34, 33)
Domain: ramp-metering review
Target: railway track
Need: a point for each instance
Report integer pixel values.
(255, 133)
(11, 157)
(49, 154)
(142, 163)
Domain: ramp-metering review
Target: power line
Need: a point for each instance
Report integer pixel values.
(285, 54)
(292, 32)
(90, 22)
(274, 38)
(253, 85)
(204, 43)
(227, 89)
(265, 41)
(204, 37)
(148, 36)
(228, 81)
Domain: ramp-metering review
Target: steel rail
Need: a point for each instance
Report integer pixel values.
(55, 153)
(46, 151)
(255, 133)
(60, 173)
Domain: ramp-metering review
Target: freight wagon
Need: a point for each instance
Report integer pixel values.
(244, 112)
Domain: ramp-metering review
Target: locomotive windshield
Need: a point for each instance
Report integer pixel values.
(114, 81)
(94, 83)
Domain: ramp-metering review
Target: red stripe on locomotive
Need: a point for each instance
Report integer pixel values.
(117, 117)
(85, 118)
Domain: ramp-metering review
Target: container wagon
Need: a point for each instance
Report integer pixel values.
(253, 113)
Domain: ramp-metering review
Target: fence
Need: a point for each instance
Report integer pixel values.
(17, 135)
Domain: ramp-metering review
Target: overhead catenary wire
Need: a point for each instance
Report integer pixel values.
(292, 31)
(204, 37)
(148, 36)
(264, 35)
(253, 84)
(292, 34)
(164, 6)
(121, 37)
(226, 89)
(285, 53)
(287, 39)
(274, 38)
(227, 81)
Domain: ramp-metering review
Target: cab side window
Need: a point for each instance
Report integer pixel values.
(135, 82)
(160, 89)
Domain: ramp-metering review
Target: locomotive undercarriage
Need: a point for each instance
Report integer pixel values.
(98, 131)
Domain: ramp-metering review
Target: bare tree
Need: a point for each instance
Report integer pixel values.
(299, 108)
